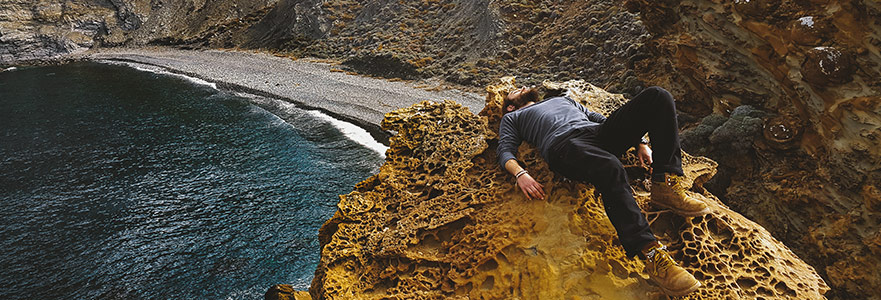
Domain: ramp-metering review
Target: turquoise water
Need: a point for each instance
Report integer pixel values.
(118, 183)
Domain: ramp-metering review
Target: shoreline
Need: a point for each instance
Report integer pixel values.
(359, 100)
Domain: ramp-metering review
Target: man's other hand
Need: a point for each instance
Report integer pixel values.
(645, 155)
(531, 188)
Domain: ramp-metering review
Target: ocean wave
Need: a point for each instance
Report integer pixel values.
(353, 132)
(195, 80)
(161, 71)
(350, 131)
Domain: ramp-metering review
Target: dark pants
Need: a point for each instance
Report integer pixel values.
(591, 154)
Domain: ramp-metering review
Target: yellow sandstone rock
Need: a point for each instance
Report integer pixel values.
(441, 220)
(286, 292)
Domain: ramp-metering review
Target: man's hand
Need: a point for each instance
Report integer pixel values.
(645, 155)
(531, 188)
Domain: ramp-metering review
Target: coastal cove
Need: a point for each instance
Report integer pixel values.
(322, 130)
(169, 181)
(454, 140)
(356, 99)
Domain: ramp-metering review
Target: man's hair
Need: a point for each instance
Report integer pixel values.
(532, 95)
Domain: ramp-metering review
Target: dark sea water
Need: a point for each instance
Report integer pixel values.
(122, 184)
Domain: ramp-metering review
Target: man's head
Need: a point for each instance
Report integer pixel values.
(519, 98)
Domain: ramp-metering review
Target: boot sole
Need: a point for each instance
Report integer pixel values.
(682, 292)
(682, 212)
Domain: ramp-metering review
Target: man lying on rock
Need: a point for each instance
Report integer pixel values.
(584, 145)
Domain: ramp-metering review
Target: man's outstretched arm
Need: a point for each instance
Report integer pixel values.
(509, 140)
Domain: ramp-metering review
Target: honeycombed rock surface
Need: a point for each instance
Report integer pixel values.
(441, 220)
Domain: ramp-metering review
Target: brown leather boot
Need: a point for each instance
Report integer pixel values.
(671, 194)
(667, 274)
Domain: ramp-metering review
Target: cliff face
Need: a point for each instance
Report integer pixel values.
(34, 30)
(31, 29)
(805, 160)
(441, 220)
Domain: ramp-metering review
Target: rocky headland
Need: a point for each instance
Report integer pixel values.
(442, 221)
(784, 95)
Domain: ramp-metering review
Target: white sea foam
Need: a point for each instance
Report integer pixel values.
(353, 132)
(349, 130)
(188, 78)
(10, 69)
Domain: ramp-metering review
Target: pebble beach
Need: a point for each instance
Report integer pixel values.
(313, 85)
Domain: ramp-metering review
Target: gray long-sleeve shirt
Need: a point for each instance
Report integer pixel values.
(542, 124)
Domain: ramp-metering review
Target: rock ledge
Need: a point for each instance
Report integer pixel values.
(442, 221)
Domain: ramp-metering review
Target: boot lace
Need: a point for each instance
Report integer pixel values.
(675, 184)
(661, 259)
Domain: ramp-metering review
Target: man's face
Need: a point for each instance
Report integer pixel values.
(516, 98)
(515, 94)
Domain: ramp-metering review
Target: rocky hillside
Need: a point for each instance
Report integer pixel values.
(441, 220)
(466, 42)
(800, 83)
(783, 94)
